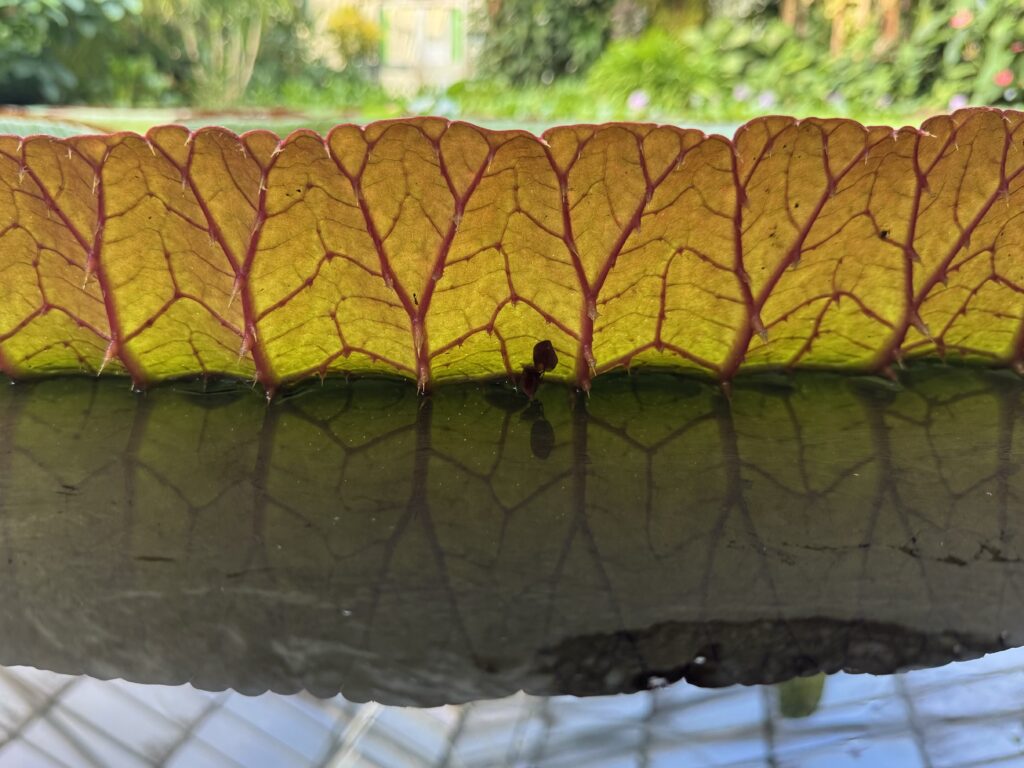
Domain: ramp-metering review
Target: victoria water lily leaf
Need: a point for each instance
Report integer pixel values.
(438, 250)
(420, 551)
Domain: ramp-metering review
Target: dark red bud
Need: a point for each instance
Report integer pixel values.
(544, 357)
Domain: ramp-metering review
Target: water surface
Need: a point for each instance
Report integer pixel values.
(362, 540)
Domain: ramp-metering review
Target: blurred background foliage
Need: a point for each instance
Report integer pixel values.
(536, 42)
(515, 60)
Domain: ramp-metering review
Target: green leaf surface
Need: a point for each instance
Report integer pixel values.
(441, 251)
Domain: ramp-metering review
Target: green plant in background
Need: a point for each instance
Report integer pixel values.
(546, 103)
(663, 65)
(175, 52)
(220, 39)
(288, 73)
(142, 71)
(284, 53)
(983, 51)
(58, 50)
(722, 70)
(537, 41)
(718, 62)
(949, 54)
(732, 68)
(672, 60)
(322, 89)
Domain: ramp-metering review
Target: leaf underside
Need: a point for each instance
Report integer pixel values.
(438, 250)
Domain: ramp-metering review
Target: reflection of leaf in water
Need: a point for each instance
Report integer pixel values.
(438, 250)
(359, 537)
(542, 438)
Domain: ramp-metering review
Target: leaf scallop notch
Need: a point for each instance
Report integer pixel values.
(437, 250)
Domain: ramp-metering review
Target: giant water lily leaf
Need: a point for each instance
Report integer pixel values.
(439, 250)
(360, 538)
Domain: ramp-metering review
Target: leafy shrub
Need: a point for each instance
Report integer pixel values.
(288, 74)
(321, 88)
(982, 50)
(491, 99)
(707, 69)
(537, 41)
(59, 50)
(220, 40)
(731, 68)
(663, 65)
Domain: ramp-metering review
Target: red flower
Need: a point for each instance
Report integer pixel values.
(961, 19)
(1003, 78)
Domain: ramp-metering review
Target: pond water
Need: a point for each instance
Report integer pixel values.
(355, 542)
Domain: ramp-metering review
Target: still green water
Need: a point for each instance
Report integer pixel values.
(361, 539)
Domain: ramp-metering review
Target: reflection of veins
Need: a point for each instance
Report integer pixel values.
(581, 524)
(487, 478)
(650, 453)
(134, 467)
(418, 506)
(10, 418)
(324, 431)
(130, 468)
(734, 500)
(886, 488)
(1007, 400)
(264, 464)
(1008, 414)
(261, 493)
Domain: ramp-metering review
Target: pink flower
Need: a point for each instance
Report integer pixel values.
(958, 101)
(638, 101)
(742, 92)
(961, 19)
(1003, 78)
(1017, 46)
